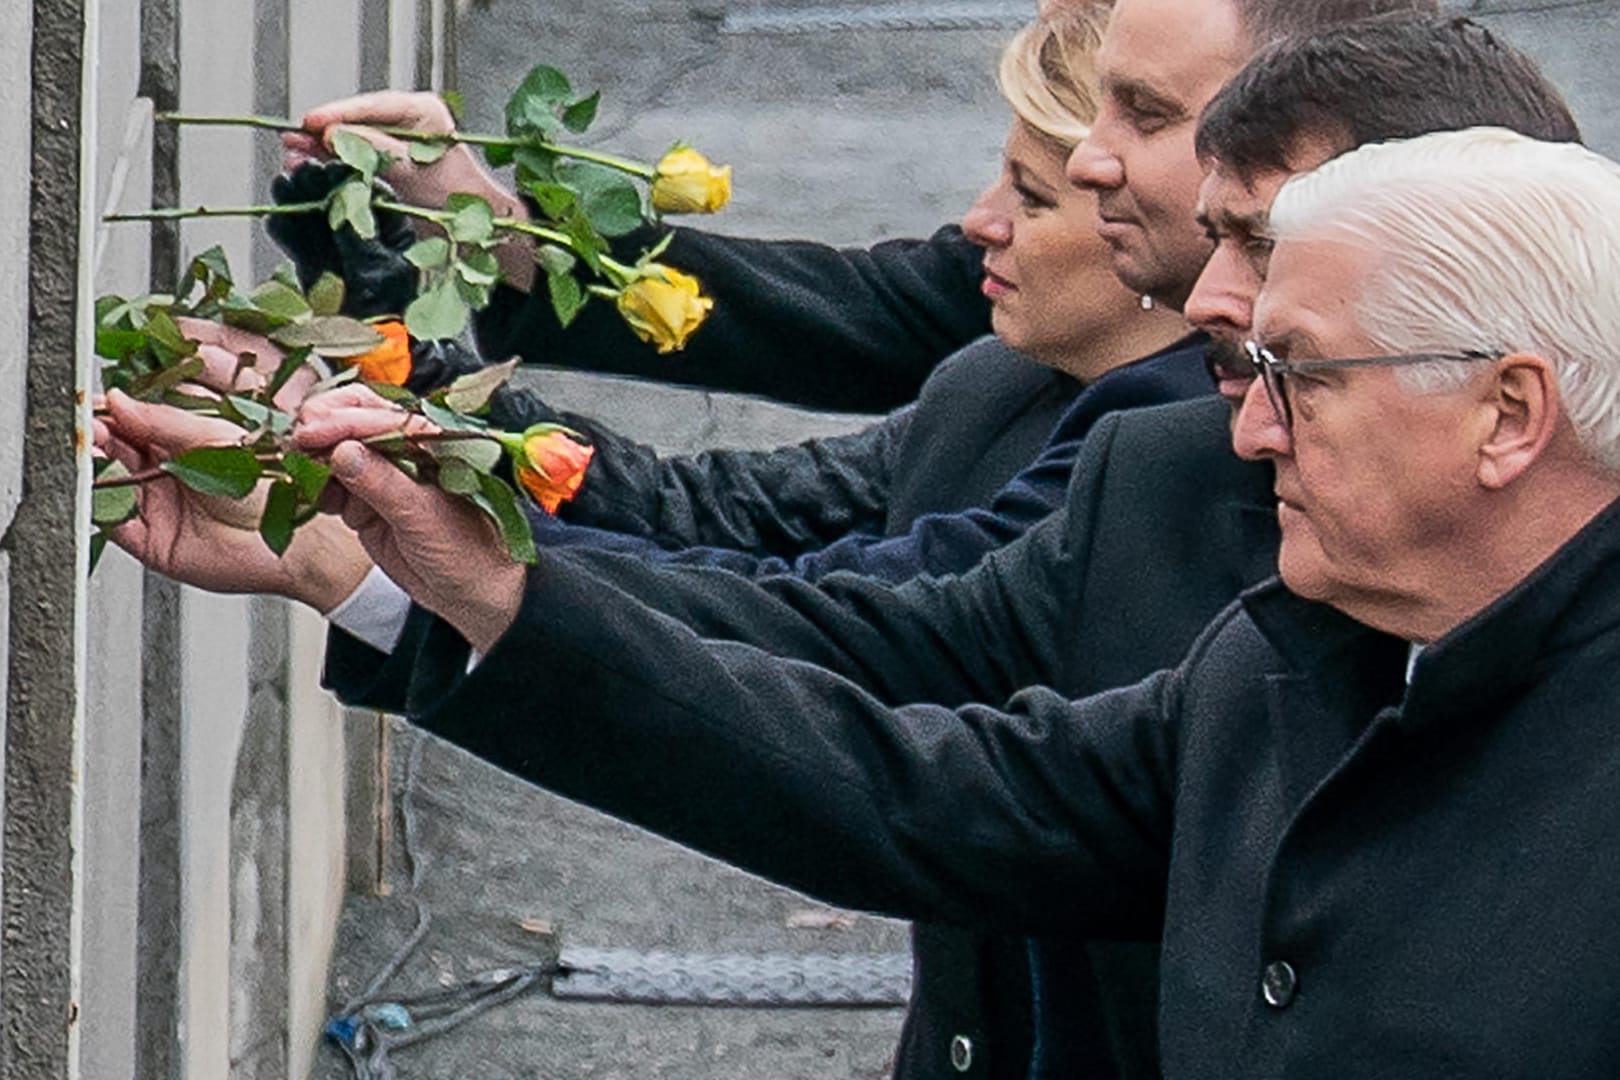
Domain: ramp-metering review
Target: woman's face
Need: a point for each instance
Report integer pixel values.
(1047, 273)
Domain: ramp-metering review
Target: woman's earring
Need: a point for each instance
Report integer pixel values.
(1147, 302)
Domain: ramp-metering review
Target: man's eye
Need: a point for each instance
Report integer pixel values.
(1257, 249)
(1147, 121)
(1031, 200)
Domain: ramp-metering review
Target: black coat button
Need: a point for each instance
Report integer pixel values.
(1279, 984)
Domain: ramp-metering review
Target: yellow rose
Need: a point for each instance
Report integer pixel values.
(688, 183)
(665, 307)
(552, 466)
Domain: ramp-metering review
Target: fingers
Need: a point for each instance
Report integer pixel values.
(350, 413)
(148, 427)
(378, 491)
(388, 108)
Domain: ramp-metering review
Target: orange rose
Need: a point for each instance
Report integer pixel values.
(389, 362)
(552, 465)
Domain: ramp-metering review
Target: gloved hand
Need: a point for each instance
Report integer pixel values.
(378, 279)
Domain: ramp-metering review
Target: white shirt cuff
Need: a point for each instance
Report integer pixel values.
(375, 612)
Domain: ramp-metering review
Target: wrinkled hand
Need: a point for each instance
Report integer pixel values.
(210, 542)
(378, 279)
(440, 549)
(424, 185)
(221, 349)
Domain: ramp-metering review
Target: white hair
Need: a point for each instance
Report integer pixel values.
(1486, 240)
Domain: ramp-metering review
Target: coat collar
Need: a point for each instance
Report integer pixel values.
(1492, 658)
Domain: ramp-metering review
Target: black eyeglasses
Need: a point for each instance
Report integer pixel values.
(1273, 372)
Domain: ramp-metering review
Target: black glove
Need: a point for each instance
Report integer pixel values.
(438, 363)
(377, 278)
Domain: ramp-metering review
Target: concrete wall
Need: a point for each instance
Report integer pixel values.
(213, 845)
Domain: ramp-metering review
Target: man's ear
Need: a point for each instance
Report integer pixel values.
(1527, 412)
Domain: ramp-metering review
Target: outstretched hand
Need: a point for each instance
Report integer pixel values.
(211, 542)
(440, 549)
(459, 170)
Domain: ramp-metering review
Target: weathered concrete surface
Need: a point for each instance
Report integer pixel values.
(493, 852)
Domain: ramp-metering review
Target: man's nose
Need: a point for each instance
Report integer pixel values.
(1222, 300)
(1092, 165)
(1258, 432)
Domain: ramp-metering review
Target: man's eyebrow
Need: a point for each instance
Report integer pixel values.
(1141, 95)
(1226, 221)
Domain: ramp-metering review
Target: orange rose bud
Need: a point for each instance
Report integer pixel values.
(552, 466)
(389, 362)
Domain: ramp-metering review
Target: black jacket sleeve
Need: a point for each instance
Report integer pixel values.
(848, 329)
(1041, 817)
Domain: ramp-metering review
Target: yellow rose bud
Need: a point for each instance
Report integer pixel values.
(552, 466)
(665, 308)
(688, 183)
(389, 362)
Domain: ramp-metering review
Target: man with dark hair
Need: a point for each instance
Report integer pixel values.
(1163, 523)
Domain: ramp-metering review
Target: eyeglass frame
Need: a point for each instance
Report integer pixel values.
(1271, 369)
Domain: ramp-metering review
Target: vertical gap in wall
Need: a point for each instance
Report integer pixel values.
(42, 695)
(424, 44)
(157, 955)
(260, 835)
(448, 39)
(375, 36)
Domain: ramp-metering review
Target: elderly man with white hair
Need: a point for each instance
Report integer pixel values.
(1373, 815)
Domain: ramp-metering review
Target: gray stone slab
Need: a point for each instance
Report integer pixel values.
(499, 862)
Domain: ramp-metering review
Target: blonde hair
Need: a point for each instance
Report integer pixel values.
(1048, 71)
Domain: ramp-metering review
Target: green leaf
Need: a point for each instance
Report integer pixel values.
(397, 394)
(114, 505)
(335, 380)
(608, 198)
(498, 156)
(359, 155)
(426, 153)
(578, 115)
(429, 254)
(276, 524)
(471, 392)
(308, 474)
(479, 267)
(115, 344)
(554, 200)
(351, 205)
(535, 164)
(567, 297)
(438, 313)
(98, 545)
(456, 102)
(280, 303)
(449, 419)
(155, 385)
(335, 336)
(326, 295)
(476, 297)
(498, 500)
(286, 273)
(473, 221)
(533, 105)
(555, 260)
(295, 359)
(231, 471)
(458, 477)
(481, 454)
(161, 330)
